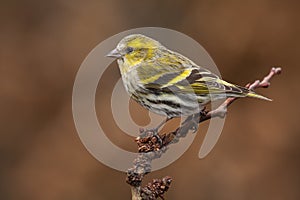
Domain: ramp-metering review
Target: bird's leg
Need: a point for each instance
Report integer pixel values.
(154, 131)
(162, 123)
(194, 120)
(151, 133)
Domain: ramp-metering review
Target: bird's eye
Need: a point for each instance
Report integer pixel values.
(129, 49)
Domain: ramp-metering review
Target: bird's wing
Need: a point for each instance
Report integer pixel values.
(192, 80)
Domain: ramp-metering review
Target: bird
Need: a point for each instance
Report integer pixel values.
(168, 83)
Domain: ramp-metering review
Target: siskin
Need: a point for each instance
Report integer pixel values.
(166, 82)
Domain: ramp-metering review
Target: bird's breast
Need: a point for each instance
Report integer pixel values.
(131, 82)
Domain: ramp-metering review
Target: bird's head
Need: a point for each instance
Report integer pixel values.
(134, 49)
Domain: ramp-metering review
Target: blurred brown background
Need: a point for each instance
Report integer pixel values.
(42, 44)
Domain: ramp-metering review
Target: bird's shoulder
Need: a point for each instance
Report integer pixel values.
(164, 62)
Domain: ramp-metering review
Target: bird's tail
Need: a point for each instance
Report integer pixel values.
(258, 96)
(239, 91)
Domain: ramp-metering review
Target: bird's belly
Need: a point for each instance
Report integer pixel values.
(169, 104)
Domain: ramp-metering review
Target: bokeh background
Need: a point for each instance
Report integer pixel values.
(42, 44)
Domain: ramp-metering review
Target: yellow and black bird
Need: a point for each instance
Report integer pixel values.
(166, 82)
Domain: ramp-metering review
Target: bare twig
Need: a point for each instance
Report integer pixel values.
(136, 193)
(222, 109)
(152, 145)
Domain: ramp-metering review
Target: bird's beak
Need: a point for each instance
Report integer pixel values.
(114, 54)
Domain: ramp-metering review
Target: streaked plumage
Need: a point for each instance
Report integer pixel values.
(166, 82)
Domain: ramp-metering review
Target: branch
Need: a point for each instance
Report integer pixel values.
(222, 109)
(152, 145)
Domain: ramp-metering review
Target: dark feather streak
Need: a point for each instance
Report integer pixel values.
(164, 79)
